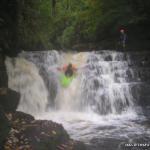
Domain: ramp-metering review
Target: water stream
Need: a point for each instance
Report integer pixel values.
(98, 108)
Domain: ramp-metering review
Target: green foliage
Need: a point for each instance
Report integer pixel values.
(47, 24)
(34, 23)
(67, 37)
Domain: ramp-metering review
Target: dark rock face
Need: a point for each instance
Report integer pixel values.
(27, 133)
(4, 127)
(8, 102)
(20, 116)
(140, 63)
(9, 99)
(3, 73)
(138, 76)
(51, 85)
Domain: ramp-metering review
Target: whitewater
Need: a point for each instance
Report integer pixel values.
(98, 108)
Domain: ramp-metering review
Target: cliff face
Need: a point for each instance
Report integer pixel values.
(8, 99)
(8, 102)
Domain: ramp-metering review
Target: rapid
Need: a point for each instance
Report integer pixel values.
(100, 107)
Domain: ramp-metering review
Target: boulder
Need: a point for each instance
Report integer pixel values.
(9, 99)
(27, 133)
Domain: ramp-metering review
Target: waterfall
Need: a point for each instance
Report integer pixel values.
(68, 99)
(101, 85)
(46, 62)
(104, 84)
(102, 104)
(23, 77)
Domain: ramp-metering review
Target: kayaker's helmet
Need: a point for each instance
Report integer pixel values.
(69, 70)
(70, 65)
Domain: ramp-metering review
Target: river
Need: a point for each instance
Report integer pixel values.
(100, 107)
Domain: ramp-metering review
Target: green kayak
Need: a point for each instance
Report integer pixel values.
(66, 81)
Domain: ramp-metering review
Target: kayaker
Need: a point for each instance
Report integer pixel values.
(69, 70)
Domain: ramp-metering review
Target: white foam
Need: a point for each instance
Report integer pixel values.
(23, 77)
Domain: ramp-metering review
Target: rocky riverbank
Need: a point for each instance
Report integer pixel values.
(26, 133)
(20, 131)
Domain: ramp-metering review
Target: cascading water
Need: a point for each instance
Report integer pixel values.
(24, 78)
(97, 107)
(46, 62)
(104, 88)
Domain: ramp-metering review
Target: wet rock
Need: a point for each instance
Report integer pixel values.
(38, 135)
(141, 93)
(3, 73)
(22, 117)
(9, 99)
(108, 58)
(96, 84)
(50, 84)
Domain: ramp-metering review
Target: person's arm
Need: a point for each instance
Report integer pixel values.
(55, 68)
(82, 67)
(64, 68)
(74, 68)
(59, 69)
